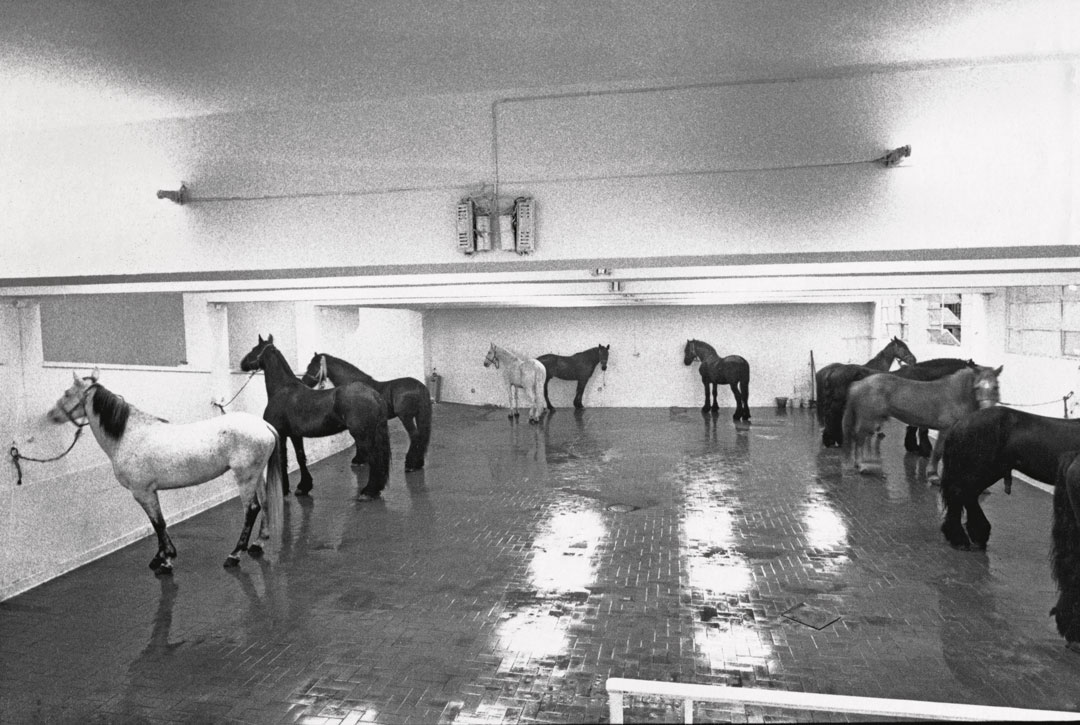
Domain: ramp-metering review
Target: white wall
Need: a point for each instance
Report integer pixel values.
(645, 367)
(618, 176)
(71, 511)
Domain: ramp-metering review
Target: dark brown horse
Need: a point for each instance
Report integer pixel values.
(1065, 555)
(832, 381)
(298, 412)
(407, 399)
(578, 367)
(731, 370)
(984, 448)
(936, 404)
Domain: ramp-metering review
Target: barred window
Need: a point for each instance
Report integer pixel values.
(943, 325)
(1044, 321)
(894, 315)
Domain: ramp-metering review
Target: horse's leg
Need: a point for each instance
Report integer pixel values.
(978, 526)
(580, 392)
(705, 408)
(715, 397)
(283, 457)
(414, 457)
(953, 495)
(252, 508)
(546, 398)
(932, 474)
(926, 448)
(377, 440)
(512, 392)
(148, 499)
(304, 487)
(911, 439)
(744, 391)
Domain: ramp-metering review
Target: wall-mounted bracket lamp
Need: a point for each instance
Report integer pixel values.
(894, 157)
(180, 196)
(615, 285)
(601, 272)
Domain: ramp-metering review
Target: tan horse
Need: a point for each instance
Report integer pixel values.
(529, 374)
(936, 404)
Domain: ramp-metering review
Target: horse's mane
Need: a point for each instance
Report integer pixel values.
(112, 411)
(364, 377)
(706, 346)
(510, 352)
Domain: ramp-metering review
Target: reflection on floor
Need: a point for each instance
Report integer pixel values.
(527, 564)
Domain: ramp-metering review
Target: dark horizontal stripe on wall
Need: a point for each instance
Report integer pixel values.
(726, 260)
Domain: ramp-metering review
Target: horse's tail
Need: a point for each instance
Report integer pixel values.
(270, 498)
(539, 399)
(380, 457)
(1065, 553)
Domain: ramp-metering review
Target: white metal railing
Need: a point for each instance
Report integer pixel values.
(617, 687)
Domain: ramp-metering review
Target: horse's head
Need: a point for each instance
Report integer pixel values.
(71, 406)
(901, 352)
(986, 386)
(492, 357)
(689, 352)
(603, 350)
(254, 359)
(315, 375)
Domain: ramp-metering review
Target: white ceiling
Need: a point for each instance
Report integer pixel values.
(89, 62)
(65, 62)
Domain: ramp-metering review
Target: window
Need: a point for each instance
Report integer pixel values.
(943, 319)
(1044, 321)
(126, 329)
(894, 315)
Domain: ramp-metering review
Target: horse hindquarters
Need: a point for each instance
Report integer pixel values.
(1065, 561)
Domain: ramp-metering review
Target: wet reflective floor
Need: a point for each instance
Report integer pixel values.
(527, 564)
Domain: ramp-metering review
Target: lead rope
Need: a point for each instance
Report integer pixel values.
(221, 406)
(16, 456)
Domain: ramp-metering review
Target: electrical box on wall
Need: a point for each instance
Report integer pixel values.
(466, 227)
(507, 243)
(483, 233)
(525, 225)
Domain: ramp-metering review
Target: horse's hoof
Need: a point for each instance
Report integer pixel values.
(231, 562)
(368, 496)
(255, 550)
(164, 568)
(414, 469)
(303, 492)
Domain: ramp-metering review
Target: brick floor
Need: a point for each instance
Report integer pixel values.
(526, 565)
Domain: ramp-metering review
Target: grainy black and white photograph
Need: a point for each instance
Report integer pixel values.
(493, 362)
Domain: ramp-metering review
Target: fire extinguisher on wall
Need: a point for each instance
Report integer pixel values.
(435, 386)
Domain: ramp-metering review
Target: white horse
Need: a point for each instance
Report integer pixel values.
(149, 454)
(528, 374)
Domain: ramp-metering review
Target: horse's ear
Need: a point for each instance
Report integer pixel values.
(94, 375)
(998, 371)
(260, 339)
(270, 338)
(75, 375)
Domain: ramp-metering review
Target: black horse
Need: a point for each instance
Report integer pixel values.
(578, 367)
(297, 412)
(984, 448)
(731, 370)
(407, 399)
(833, 380)
(1065, 555)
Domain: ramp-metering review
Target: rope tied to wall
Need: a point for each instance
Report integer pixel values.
(16, 456)
(1064, 401)
(221, 406)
